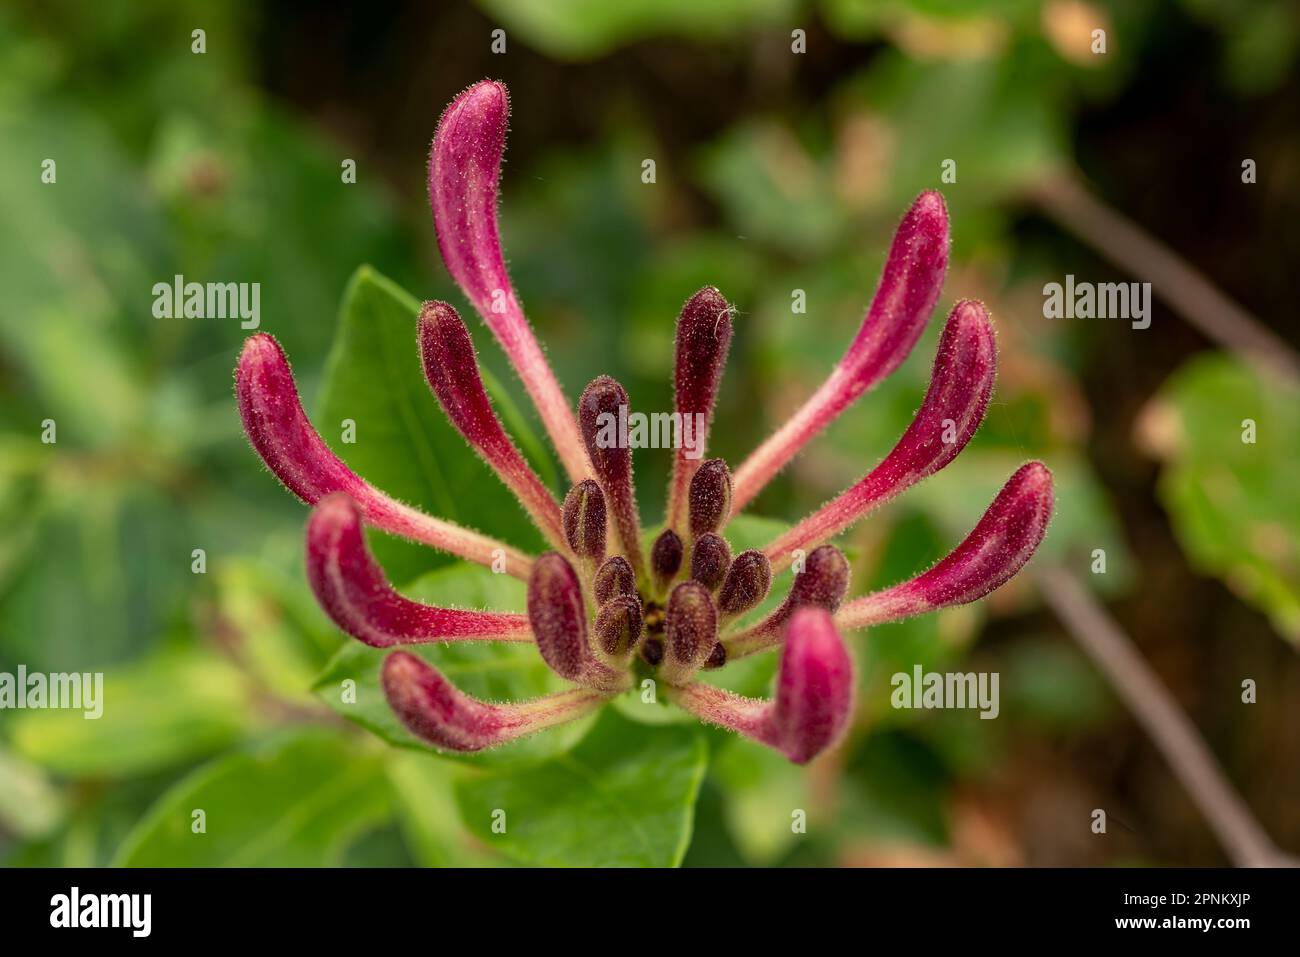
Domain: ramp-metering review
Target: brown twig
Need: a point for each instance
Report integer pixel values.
(1244, 840)
(1067, 200)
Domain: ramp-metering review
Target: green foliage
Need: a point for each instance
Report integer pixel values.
(623, 798)
(296, 801)
(1232, 487)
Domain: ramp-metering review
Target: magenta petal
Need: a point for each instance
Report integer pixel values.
(998, 547)
(464, 172)
(279, 430)
(814, 688)
(352, 589)
(434, 709)
(909, 288)
(954, 406)
(451, 366)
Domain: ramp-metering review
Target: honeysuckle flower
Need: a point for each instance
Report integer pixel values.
(601, 609)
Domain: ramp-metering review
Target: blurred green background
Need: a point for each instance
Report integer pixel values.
(775, 171)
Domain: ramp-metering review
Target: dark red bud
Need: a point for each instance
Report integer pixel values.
(619, 624)
(710, 497)
(710, 559)
(666, 557)
(746, 584)
(614, 577)
(584, 520)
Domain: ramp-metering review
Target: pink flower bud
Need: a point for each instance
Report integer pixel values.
(909, 288)
(954, 406)
(703, 338)
(602, 410)
(998, 547)
(279, 430)
(822, 584)
(464, 173)
(814, 688)
(451, 366)
(352, 589)
(435, 710)
(558, 616)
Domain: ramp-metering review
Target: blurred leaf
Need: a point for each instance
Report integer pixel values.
(294, 802)
(763, 791)
(166, 709)
(585, 29)
(425, 803)
(623, 798)
(404, 444)
(499, 672)
(30, 805)
(1234, 504)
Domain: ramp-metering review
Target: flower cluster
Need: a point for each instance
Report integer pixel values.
(602, 606)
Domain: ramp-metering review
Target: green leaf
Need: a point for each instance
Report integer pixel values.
(625, 797)
(297, 801)
(585, 29)
(499, 672)
(1235, 504)
(404, 444)
(157, 713)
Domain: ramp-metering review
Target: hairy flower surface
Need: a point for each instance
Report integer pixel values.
(602, 608)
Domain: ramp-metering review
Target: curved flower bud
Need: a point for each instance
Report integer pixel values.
(451, 366)
(710, 560)
(909, 288)
(666, 558)
(558, 616)
(746, 584)
(602, 414)
(435, 710)
(954, 406)
(814, 693)
(690, 631)
(280, 433)
(619, 625)
(814, 688)
(464, 173)
(351, 587)
(584, 520)
(703, 338)
(614, 577)
(998, 547)
(822, 584)
(709, 498)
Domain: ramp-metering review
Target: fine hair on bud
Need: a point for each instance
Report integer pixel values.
(746, 584)
(710, 559)
(613, 578)
(710, 497)
(666, 556)
(691, 625)
(619, 625)
(584, 520)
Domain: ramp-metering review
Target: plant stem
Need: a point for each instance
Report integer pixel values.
(1191, 760)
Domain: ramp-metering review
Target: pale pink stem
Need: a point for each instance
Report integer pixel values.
(909, 288)
(281, 434)
(464, 175)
